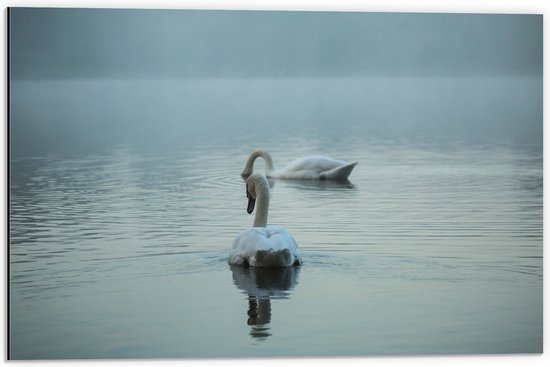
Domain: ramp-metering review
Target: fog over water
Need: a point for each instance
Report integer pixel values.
(53, 116)
(441, 75)
(128, 131)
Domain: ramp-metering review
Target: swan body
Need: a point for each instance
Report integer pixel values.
(269, 247)
(263, 246)
(313, 167)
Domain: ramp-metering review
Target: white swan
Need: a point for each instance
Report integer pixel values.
(263, 246)
(314, 167)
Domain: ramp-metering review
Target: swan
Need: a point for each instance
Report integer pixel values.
(313, 167)
(263, 246)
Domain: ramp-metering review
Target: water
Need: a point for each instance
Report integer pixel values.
(125, 198)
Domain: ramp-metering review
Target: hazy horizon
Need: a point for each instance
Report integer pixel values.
(166, 74)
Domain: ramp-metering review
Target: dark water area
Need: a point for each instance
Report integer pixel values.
(125, 197)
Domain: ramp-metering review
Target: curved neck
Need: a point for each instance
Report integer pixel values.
(249, 167)
(262, 207)
(261, 194)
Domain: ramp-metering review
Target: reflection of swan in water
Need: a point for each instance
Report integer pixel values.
(263, 246)
(261, 286)
(320, 185)
(259, 317)
(306, 168)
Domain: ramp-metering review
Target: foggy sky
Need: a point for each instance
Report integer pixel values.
(101, 43)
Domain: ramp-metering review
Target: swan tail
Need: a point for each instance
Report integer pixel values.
(338, 173)
(273, 259)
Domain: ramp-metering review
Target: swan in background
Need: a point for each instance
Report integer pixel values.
(314, 167)
(263, 246)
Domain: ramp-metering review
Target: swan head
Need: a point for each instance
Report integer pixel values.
(257, 187)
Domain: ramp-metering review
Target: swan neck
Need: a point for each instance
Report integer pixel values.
(249, 167)
(262, 206)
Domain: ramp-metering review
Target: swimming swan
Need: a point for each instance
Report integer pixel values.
(263, 246)
(314, 167)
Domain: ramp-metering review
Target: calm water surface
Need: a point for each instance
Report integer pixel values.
(121, 252)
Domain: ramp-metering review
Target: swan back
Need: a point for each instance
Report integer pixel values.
(268, 247)
(306, 168)
(315, 167)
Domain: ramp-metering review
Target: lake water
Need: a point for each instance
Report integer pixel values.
(125, 198)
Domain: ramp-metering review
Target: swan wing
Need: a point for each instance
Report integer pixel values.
(315, 167)
(314, 163)
(265, 247)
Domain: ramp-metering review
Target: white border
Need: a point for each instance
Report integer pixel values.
(454, 6)
(432, 6)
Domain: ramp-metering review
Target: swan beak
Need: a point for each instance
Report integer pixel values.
(251, 203)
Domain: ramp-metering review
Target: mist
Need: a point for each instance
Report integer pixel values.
(92, 79)
(118, 43)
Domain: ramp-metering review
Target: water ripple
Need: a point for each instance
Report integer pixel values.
(440, 213)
